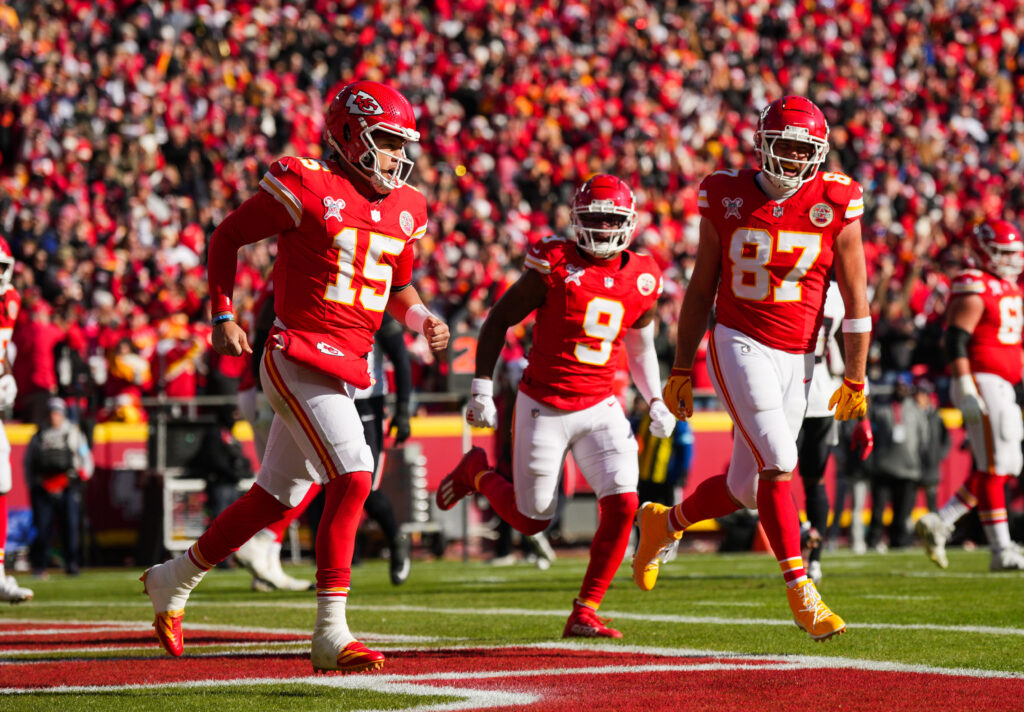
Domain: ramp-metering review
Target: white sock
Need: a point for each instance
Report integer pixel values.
(331, 621)
(952, 511)
(998, 536)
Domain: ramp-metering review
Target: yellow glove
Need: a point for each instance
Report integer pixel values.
(848, 400)
(678, 393)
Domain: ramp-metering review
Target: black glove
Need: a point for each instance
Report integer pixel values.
(399, 426)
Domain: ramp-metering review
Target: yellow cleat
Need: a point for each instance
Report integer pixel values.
(656, 544)
(811, 613)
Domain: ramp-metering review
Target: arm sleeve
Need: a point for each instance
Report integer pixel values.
(256, 219)
(643, 361)
(392, 341)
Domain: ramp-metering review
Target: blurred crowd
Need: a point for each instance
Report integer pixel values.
(128, 130)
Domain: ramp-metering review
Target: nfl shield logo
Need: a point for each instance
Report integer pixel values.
(609, 281)
(777, 211)
(375, 215)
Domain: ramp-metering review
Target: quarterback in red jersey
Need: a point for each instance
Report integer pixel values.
(768, 239)
(346, 228)
(983, 345)
(10, 305)
(593, 299)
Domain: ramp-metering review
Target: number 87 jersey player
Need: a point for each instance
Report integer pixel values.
(592, 299)
(768, 238)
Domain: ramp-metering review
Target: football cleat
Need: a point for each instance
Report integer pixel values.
(655, 546)
(585, 623)
(934, 534)
(811, 613)
(459, 482)
(814, 572)
(353, 657)
(263, 561)
(400, 562)
(168, 620)
(1009, 559)
(11, 592)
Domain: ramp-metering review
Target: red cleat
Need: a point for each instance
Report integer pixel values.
(459, 482)
(168, 631)
(354, 657)
(585, 623)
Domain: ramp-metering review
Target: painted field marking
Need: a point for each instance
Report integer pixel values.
(620, 615)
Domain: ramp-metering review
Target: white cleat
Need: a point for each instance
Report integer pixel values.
(814, 572)
(263, 561)
(11, 592)
(934, 534)
(1009, 559)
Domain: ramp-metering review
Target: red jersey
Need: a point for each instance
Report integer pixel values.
(10, 305)
(995, 345)
(339, 255)
(577, 338)
(776, 255)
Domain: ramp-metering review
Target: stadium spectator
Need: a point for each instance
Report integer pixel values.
(57, 463)
(901, 437)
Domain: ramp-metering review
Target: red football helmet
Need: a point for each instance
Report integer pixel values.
(791, 118)
(358, 111)
(999, 247)
(608, 197)
(6, 265)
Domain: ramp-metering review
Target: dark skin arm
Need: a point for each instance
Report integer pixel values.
(527, 294)
(700, 296)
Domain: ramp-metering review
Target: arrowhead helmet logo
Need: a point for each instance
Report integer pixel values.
(362, 104)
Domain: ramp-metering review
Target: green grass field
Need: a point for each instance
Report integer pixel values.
(899, 608)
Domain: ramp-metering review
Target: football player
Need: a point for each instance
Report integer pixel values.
(768, 239)
(10, 304)
(593, 298)
(818, 432)
(346, 229)
(983, 345)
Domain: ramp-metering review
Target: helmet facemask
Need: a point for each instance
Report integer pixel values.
(369, 160)
(772, 163)
(1007, 261)
(6, 271)
(603, 242)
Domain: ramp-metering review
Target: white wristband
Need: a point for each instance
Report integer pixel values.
(966, 384)
(482, 387)
(857, 326)
(415, 316)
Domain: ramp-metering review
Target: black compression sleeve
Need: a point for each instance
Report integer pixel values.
(956, 343)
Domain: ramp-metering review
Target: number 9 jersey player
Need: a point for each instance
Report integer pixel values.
(592, 299)
(346, 228)
(768, 239)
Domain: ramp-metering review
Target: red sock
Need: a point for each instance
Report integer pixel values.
(281, 525)
(3, 527)
(781, 525)
(709, 501)
(615, 522)
(502, 496)
(992, 499)
(235, 525)
(336, 537)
